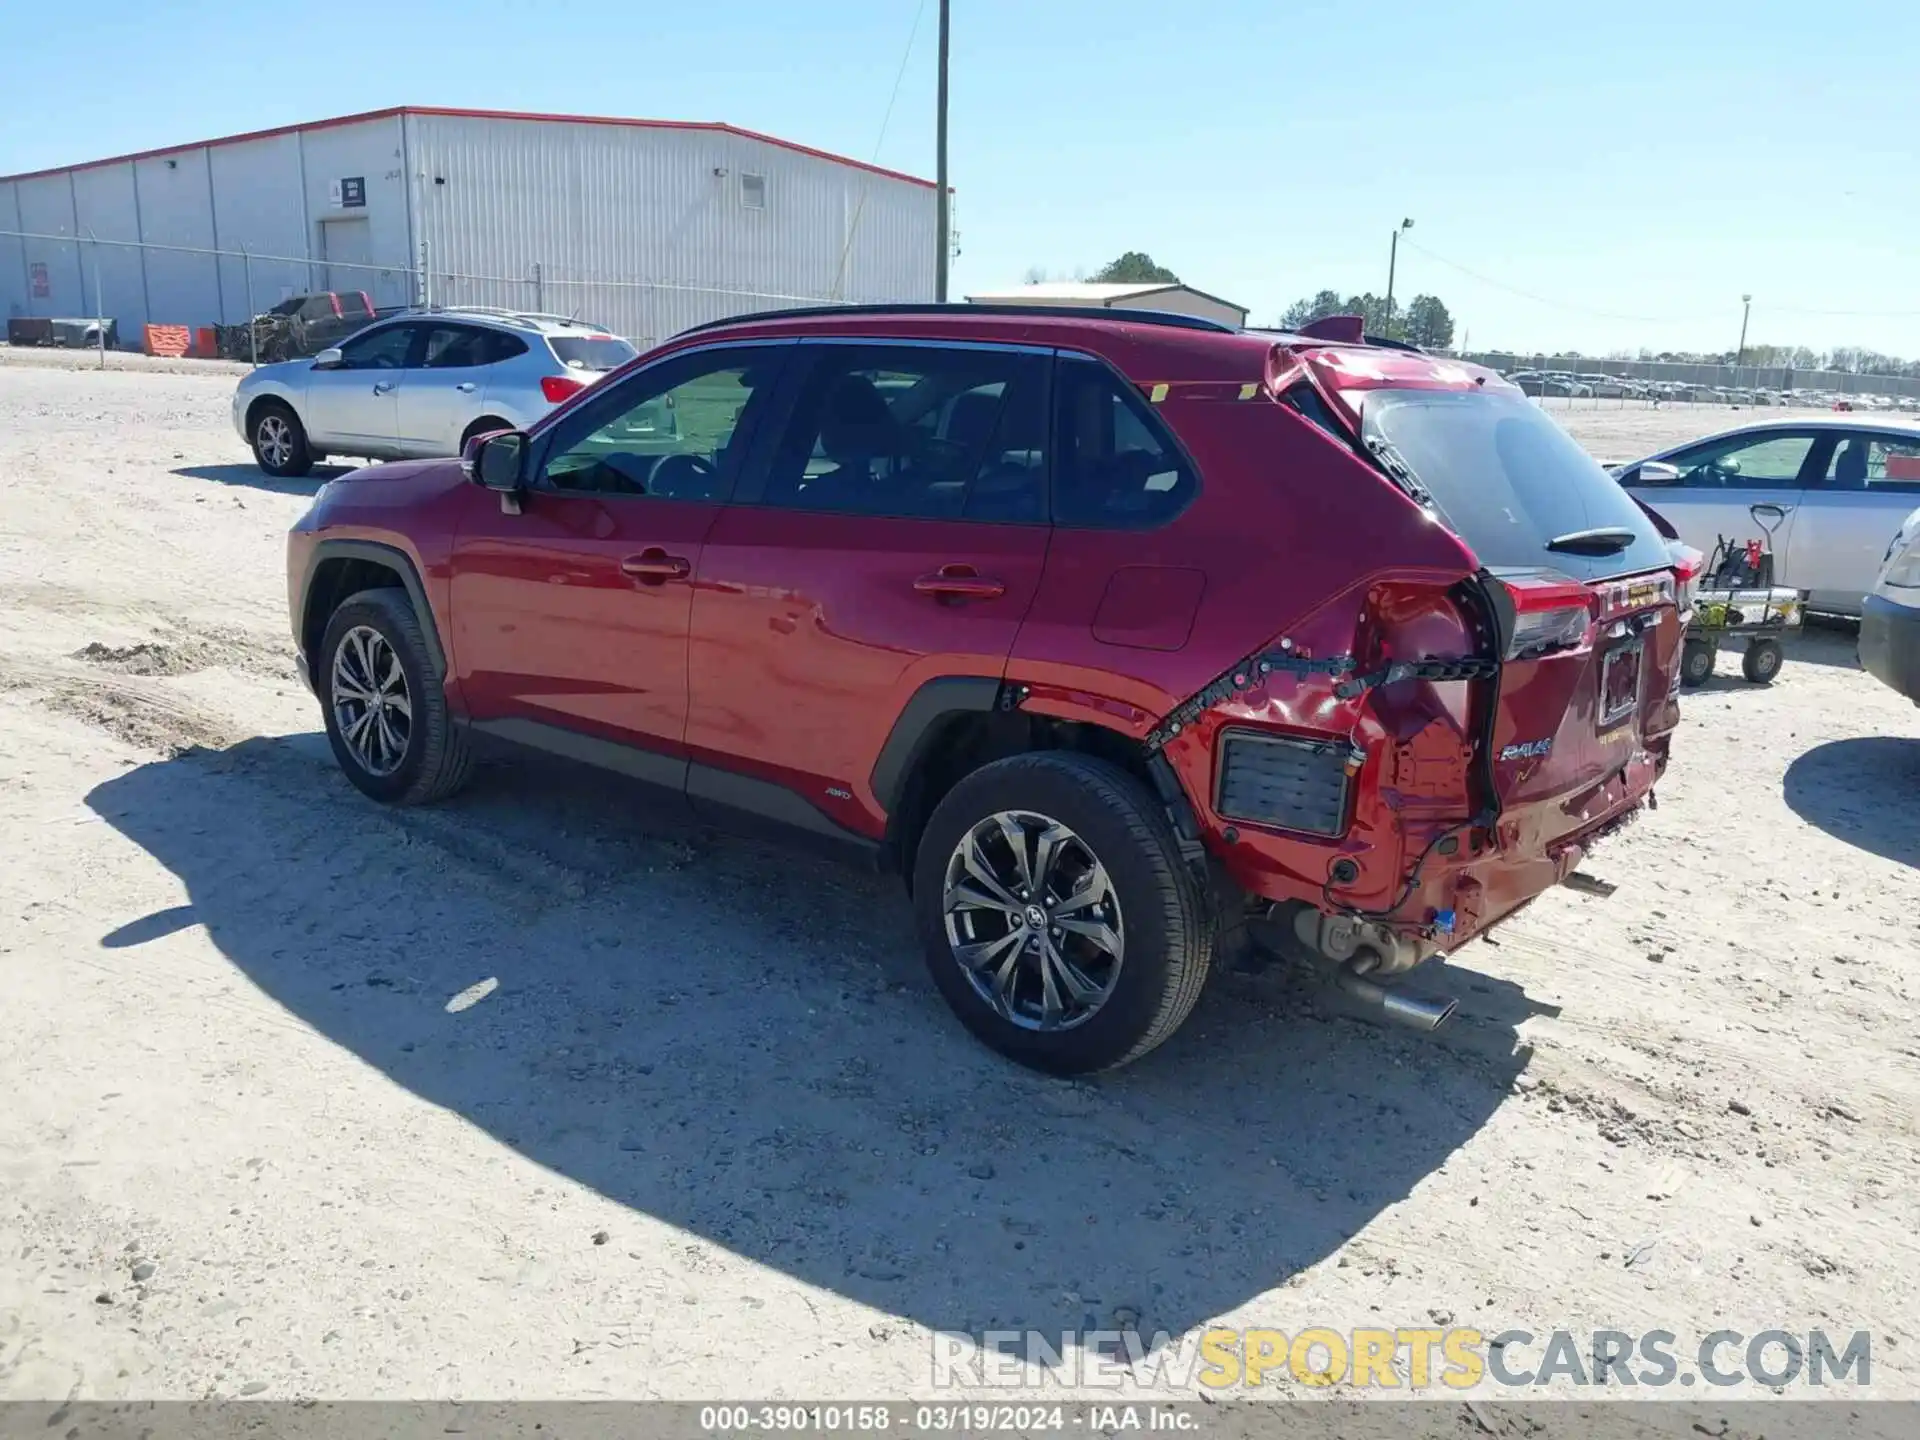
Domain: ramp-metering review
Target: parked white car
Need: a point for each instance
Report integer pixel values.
(1830, 491)
(418, 385)
(1890, 624)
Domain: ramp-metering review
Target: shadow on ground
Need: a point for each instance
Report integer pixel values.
(1845, 786)
(254, 478)
(743, 1043)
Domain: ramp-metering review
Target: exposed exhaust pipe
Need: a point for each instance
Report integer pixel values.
(1416, 1012)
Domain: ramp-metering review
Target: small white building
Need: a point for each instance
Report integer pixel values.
(646, 226)
(1178, 299)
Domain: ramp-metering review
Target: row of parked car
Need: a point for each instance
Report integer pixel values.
(1602, 386)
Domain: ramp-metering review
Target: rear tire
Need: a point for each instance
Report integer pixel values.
(1761, 664)
(485, 425)
(1696, 663)
(410, 753)
(280, 441)
(1145, 947)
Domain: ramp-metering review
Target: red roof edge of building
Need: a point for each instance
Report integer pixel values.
(716, 126)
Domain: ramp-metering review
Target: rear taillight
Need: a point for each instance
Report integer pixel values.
(558, 387)
(1542, 611)
(1688, 563)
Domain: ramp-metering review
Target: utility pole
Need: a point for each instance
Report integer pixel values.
(1740, 355)
(942, 218)
(1393, 259)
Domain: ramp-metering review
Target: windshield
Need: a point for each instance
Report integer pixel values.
(591, 352)
(1507, 480)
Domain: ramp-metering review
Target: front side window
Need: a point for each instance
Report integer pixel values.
(916, 432)
(668, 432)
(1745, 462)
(1117, 470)
(384, 349)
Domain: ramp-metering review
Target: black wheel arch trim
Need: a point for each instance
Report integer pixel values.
(392, 558)
(918, 723)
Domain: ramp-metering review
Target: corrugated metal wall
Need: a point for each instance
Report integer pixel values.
(646, 229)
(649, 230)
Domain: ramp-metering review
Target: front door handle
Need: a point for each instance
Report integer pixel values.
(954, 583)
(382, 387)
(466, 387)
(653, 566)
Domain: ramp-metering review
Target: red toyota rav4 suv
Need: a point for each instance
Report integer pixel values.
(1124, 638)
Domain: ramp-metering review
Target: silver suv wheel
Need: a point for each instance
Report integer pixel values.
(275, 437)
(371, 705)
(1033, 920)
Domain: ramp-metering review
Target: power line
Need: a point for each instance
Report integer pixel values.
(1558, 304)
(886, 119)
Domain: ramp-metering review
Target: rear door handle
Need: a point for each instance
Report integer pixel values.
(653, 566)
(959, 582)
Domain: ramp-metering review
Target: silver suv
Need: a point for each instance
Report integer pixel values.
(419, 385)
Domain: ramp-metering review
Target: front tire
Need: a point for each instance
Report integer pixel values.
(280, 442)
(1058, 917)
(386, 710)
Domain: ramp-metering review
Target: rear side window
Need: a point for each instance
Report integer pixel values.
(1115, 466)
(591, 352)
(454, 347)
(1883, 463)
(1509, 481)
(916, 432)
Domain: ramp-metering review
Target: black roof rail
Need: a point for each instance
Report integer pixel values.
(961, 307)
(1385, 344)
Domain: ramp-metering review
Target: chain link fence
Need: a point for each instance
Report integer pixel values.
(1576, 380)
(263, 307)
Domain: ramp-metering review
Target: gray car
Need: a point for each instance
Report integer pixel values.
(419, 385)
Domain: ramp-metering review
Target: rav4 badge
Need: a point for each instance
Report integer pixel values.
(1528, 751)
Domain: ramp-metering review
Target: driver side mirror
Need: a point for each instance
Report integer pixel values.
(328, 359)
(1656, 472)
(497, 461)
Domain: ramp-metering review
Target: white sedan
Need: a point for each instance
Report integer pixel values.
(1830, 492)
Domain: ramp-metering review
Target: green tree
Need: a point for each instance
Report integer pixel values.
(1427, 323)
(1305, 312)
(1136, 267)
(1372, 310)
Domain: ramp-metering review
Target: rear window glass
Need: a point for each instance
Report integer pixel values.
(591, 352)
(1507, 480)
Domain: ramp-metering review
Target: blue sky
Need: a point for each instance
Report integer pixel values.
(1603, 174)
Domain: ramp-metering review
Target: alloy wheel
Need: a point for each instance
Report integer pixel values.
(1033, 920)
(276, 440)
(371, 704)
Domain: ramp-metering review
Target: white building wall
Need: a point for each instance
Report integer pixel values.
(365, 247)
(44, 205)
(103, 202)
(261, 208)
(645, 229)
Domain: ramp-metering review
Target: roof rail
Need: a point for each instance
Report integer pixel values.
(505, 312)
(1167, 318)
(1308, 332)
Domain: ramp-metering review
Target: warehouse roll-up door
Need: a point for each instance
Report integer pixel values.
(347, 247)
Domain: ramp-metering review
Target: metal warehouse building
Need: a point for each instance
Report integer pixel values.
(645, 226)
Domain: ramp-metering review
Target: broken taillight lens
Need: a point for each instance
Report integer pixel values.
(1542, 611)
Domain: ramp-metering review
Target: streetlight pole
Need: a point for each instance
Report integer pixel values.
(1393, 260)
(1740, 355)
(942, 219)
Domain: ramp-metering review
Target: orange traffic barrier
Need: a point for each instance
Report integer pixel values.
(169, 340)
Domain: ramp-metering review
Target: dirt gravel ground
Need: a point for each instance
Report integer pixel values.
(531, 1096)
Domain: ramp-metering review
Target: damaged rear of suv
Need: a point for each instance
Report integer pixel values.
(1126, 639)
